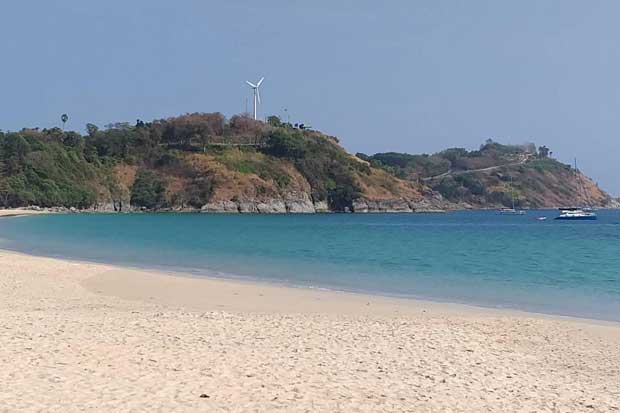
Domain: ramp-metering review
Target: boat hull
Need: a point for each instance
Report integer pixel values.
(590, 218)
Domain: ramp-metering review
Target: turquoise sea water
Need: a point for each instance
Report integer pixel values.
(569, 268)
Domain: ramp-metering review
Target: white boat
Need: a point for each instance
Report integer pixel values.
(511, 211)
(507, 211)
(577, 213)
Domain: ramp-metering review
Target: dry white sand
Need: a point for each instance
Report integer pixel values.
(90, 337)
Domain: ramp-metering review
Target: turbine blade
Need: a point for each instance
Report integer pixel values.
(260, 81)
(258, 95)
(251, 84)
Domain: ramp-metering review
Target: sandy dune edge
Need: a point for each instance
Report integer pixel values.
(78, 336)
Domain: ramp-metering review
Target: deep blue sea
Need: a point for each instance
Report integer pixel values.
(481, 258)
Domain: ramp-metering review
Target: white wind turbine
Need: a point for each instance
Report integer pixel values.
(256, 93)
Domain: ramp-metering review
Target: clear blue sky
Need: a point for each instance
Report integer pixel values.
(410, 76)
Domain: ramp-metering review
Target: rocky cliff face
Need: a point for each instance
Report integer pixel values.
(301, 204)
(291, 203)
(613, 203)
(394, 206)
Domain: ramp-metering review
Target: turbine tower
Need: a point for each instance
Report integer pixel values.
(256, 93)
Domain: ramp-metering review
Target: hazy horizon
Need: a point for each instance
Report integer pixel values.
(401, 77)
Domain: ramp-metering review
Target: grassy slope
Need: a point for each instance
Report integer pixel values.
(547, 183)
(246, 174)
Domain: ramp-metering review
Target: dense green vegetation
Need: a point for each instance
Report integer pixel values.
(148, 190)
(490, 154)
(404, 165)
(482, 177)
(50, 167)
(329, 170)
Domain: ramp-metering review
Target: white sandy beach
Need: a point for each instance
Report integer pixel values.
(90, 337)
(20, 212)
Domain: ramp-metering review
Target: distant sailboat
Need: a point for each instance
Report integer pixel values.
(577, 213)
(513, 210)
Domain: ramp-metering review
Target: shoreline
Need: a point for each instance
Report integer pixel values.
(298, 298)
(21, 212)
(115, 283)
(95, 337)
(502, 304)
(26, 211)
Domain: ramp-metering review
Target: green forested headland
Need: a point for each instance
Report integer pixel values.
(184, 161)
(204, 159)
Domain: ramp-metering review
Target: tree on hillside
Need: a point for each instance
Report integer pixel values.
(148, 190)
(453, 154)
(543, 151)
(245, 126)
(73, 140)
(285, 145)
(15, 149)
(274, 121)
(4, 186)
(193, 127)
(91, 129)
